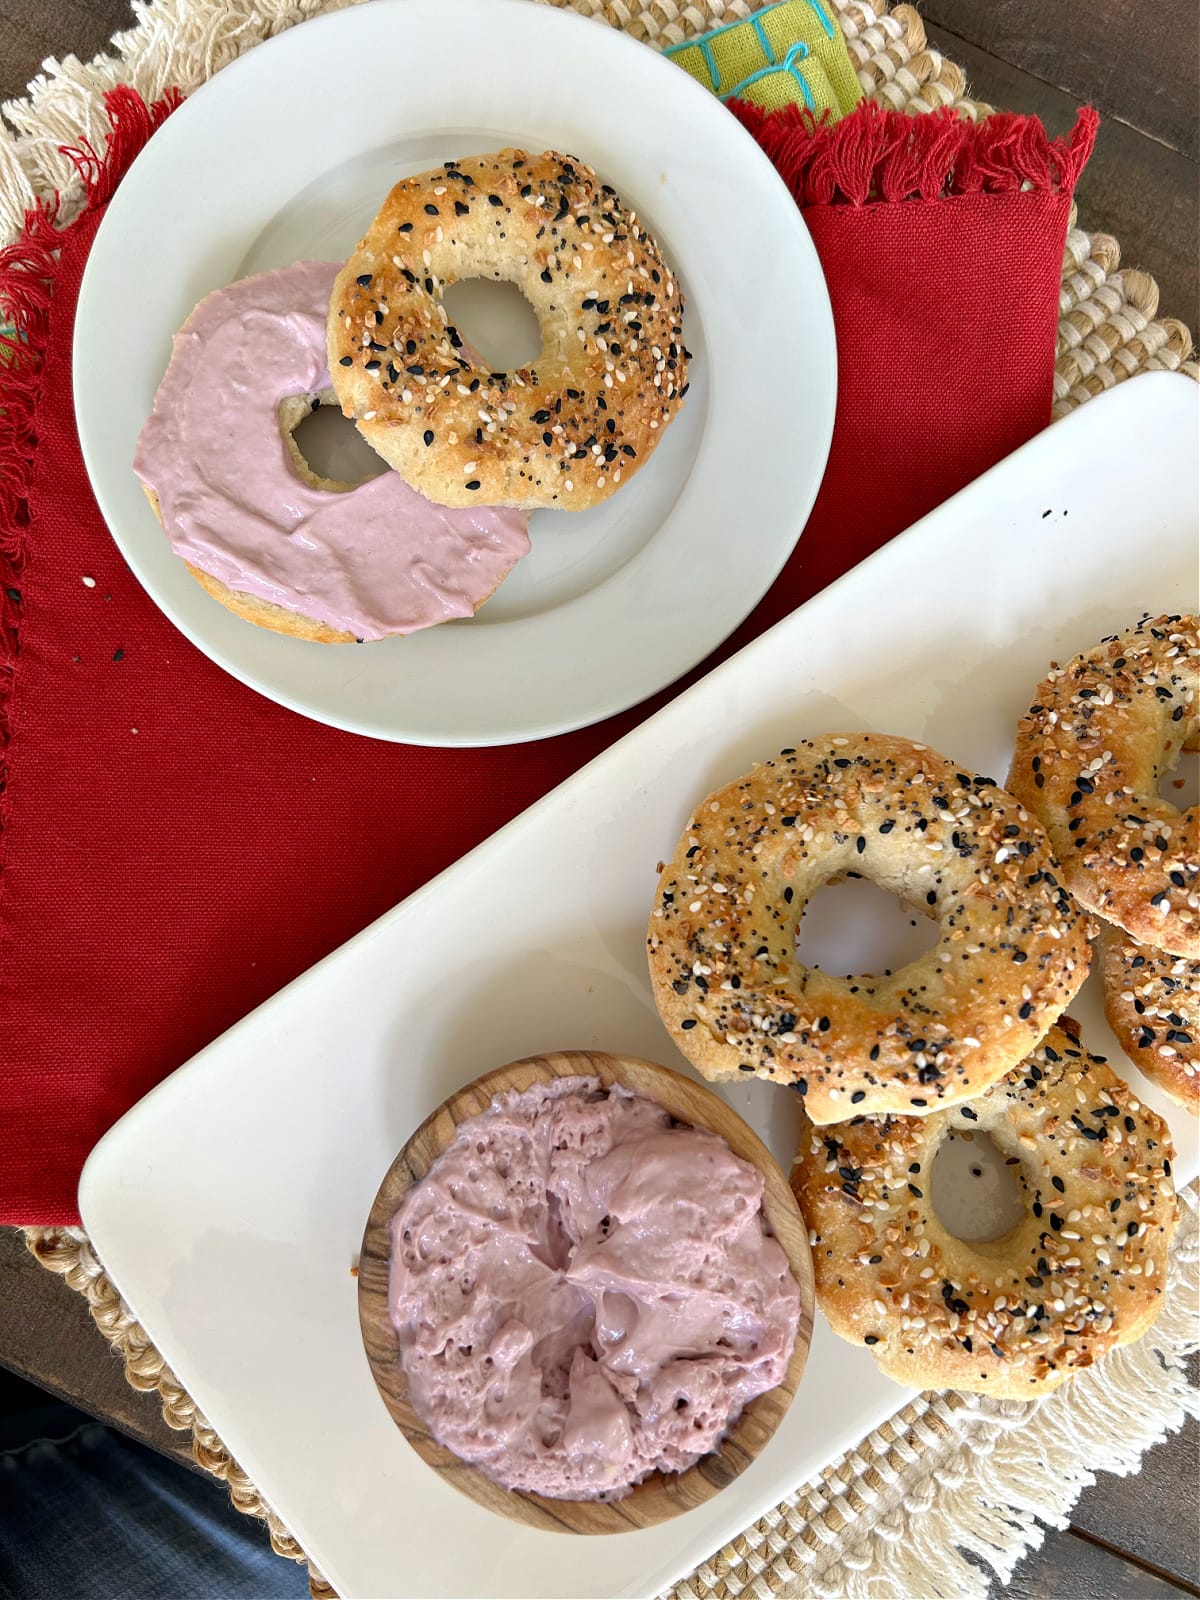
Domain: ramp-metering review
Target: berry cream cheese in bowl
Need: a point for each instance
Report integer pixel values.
(586, 1292)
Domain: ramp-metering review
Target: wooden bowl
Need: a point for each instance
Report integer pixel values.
(661, 1495)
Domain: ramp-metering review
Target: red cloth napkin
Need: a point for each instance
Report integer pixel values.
(175, 848)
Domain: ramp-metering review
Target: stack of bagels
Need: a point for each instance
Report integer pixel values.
(972, 1038)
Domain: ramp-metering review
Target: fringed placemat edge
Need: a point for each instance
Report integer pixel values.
(958, 1488)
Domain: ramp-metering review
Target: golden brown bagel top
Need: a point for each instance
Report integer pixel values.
(570, 427)
(737, 998)
(1101, 732)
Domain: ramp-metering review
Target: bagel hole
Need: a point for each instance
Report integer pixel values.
(977, 1192)
(333, 448)
(1179, 785)
(852, 928)
(496, 320)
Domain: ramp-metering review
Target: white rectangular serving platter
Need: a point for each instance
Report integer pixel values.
(229, 1204)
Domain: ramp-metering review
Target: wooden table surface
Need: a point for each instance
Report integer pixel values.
(1139, 64)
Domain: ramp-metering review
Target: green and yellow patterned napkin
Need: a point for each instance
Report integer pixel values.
(787, 54)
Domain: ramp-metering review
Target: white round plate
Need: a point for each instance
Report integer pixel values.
(287, 154)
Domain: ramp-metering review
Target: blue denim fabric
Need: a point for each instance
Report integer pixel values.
(86, 1514)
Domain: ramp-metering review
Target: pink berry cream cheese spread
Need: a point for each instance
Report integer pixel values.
(372, 560)
(584, 1291)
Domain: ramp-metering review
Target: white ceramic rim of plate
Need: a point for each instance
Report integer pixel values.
(741, 506)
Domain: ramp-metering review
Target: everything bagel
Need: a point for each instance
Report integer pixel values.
(1083, 1271)
(1012, 949)
(1152, 1002)
(569, 428)
(1091, 750)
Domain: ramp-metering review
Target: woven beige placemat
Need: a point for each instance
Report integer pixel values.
(953, 1488)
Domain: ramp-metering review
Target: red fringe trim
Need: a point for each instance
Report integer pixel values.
(27, 270)
(874, 154)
